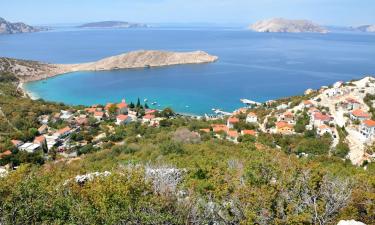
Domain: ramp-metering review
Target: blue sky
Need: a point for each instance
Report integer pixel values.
(326, 12)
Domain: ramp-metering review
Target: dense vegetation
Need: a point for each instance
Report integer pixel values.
(203, 179)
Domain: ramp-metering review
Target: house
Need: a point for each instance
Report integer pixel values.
(66, 115)
(287, 117)
(43, 129)
(205, 130)
(82, 121)
(283, 127)
(98, 115)
(307, 104)
(312, 110)
(282, 107)
(332, 92)
(43, 119)
(232, 135)
(359, 114)
(122, 108)
(248, 132)
(122, 119)
(17, 143)
(319, 119)
(232, 121)
(63, 132)
(147, 118)
(324, 129)
(29, 147)
(219, 128)
(51, 141)
(41, 141)
(351, 104)
(338, 84)
(5, 154)
(91, 110)
(367, 128)
(251, 118)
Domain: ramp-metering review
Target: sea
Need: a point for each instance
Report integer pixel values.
(255, 66)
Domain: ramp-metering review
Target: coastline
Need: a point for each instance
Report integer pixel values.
(27, 93)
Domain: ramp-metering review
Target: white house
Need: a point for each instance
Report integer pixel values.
(29, 147)
(98, 115)
(65, 115)
(231, 121)
(324, 129)
(359, 114)
(251, 118)
(122, 119)
(367, 128)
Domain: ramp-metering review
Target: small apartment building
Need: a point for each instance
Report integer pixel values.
(367, 128)
(251, 118)
(283, 127)
(359, 114)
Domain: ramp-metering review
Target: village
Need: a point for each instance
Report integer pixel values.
(342, 112)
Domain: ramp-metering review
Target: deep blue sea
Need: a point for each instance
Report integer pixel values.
(257, 66)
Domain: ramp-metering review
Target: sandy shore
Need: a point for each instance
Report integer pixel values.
(27, 93)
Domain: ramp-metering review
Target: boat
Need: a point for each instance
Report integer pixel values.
(154, 103)
(145, 100)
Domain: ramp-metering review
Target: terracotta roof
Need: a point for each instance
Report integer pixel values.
(233, 120)
(282, 124)
(288, 114)
(16, 142)
(122, 104)
(324, 127)
(122, 117)
(307, 102)
(108, 106)
(148, 116)
(39, 139)
(248, 132)
(219, 127)
(42, 128)
(232, 133)
(322, 117)
(90, 110)
(369, 123)
(63, 130)
(6, 153)
(360, 113)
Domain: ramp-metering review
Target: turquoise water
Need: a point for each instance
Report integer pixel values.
(251, 65)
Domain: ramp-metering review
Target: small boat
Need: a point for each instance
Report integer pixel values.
(145, 100)
(187, 106)
(154, 103)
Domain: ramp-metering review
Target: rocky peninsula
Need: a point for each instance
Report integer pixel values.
(366, 28)
(27, 70)
(7, 27)
(287, 26)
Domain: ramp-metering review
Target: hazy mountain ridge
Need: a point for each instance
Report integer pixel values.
(287, 26)
(113, 24)
(365, 28)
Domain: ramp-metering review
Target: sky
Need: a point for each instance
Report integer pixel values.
(325, 12)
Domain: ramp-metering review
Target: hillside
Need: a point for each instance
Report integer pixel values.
(14, 28)
(287, 26)
(32, 70)
(113, 24)
(95, 165)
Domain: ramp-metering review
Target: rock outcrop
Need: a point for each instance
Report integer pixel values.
(287, 26)
(366, 28)
(14, 28)
(32, 70)
(113, 24)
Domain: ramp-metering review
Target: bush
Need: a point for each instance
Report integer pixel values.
(171, 147)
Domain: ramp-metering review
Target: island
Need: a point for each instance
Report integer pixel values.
(113, 24)
(7, 27)
(287, 26)
(366, 28)
(32, 70)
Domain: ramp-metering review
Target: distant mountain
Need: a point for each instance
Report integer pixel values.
(113, 24)
(7, 27)
(287, 26)
(366, 28)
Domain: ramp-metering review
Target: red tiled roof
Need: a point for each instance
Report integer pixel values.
(360, 113)
(233, 120)
(252, 114)
(6, 153)
(369, 123)
(108, 106)
(206, 130)
(219, 127)
(122, 117)
(16, 142)
(39, 139)
(63, 130)
(232, 133)
(322, 117)
(90, 110)
(307, 102)
(122, 104)
(282, 124)
(249, 132)
(148, 116)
